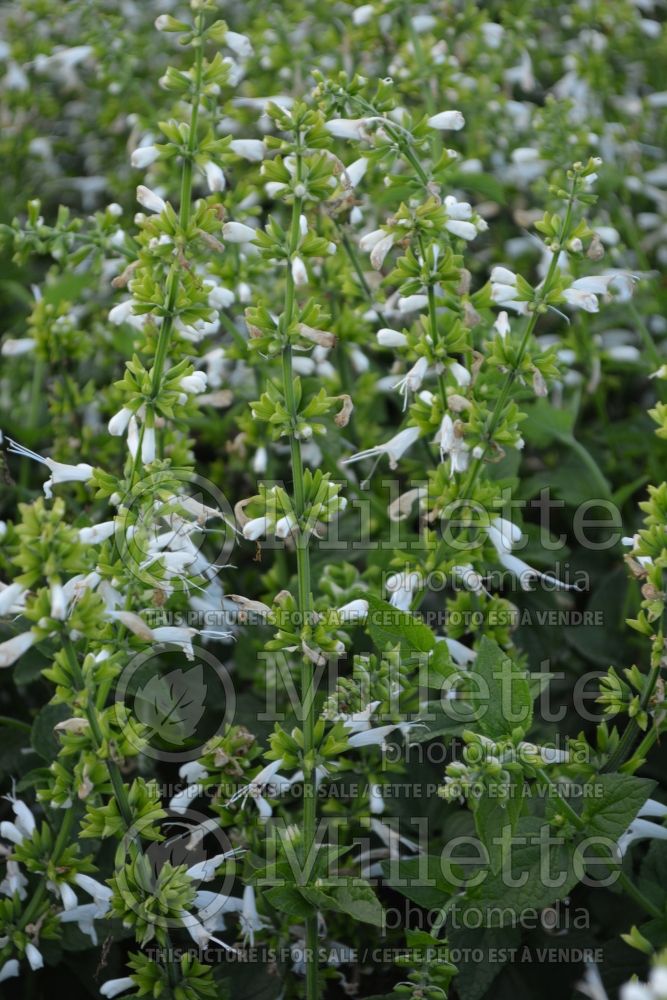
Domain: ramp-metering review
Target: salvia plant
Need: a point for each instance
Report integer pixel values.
(333, 560)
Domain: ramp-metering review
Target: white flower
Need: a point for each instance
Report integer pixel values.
(447, 120)
(503, 534)
(452, 444)
(364, 14)
(11, 649)
(267, 780)
(204, 871)
(250, 918)
(14, 346)
(215, 177)
(464, 230)
(412, 381)
(238, 232)
(380, 250)
(120, 313)
(143, 156)
(61, 472)
(377, 736)
(11, 598)
(58, 602)
(391, 338)
(644, 829)
(194, 383)
(9, 970)
(239, 44)
(346, 128)
(502, 324)
(219, 297)
(354, 172)
(354, 611)
(402, 586)
(149, 200)
(101, 894)
(113, 987)
(299, 272)
(34, 956)
(14, 881)
(255, 528)
(394, 448)
(461, 374)
(411, 303)
(250, 149)
(97, 533)
(118, 423)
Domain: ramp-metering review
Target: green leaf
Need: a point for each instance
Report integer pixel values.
(501, 697)
(421, 879)
(493, 814)
(288, 900)
(359, 901)
(386, 624)
(613, 802)
(476, 976)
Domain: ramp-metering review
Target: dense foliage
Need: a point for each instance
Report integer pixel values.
(333, 551)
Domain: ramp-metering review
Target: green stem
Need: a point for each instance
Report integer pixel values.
(304, 602)
(171, 298)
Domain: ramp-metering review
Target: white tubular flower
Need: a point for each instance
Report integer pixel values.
(354, 172)
(461, 654)
(11, 649)
(364, 14)
(15, 346)
(394, 448)
(375, 800)
(250, 918)
(402, 586)
(377, 736)
(239, 44)
(97, 533)
(215, 177)
(84, 916)
(250, 149)
(450, 121)
(238, 232)
(412, 303)
(144, 156)
(299, 272)
(219, 297)
(267, 780)
(643, 829)
(470, 578)
(464, 230)
(133, 436)
(192, 771)
(347, 128)
(461, 374)
(180, 802)
(503, 535)
(503, 276)
(255, 528)
(121, 312)
(359, 722)
(9, 970)
(34, 956)
(113, 987)
(452, 445)
(14, 881)
(101, 894)
(148, 446)
(11, 598)
(118, 423)
(391, 338)
(58, 602)
(285, 526)
(61, 472)
(579, 298)
(354, 611)
(412, 381)
(194, 383)
(149, 200)
(502, 324)
(204, 871)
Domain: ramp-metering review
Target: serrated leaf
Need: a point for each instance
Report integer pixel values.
(501, 698)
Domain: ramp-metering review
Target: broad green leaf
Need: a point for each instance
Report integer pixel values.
(612, 802)
(386, 623)
(501, 698)
(421, 879)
